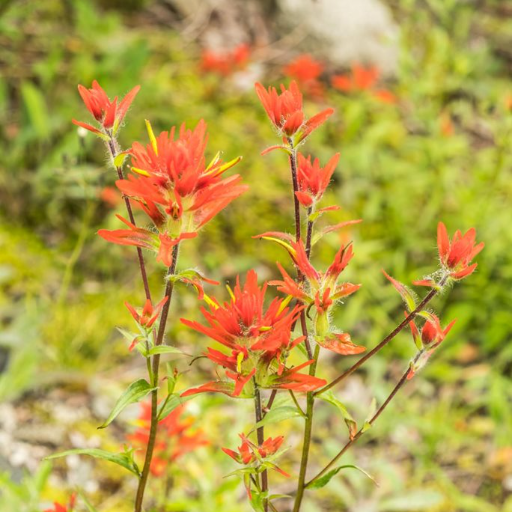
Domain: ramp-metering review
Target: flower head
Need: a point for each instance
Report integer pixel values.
(313, 179)
(176, 436)
(285, 111)
(225, 63)
(362, 79)
(250, 453)
(456, 255)
(256, 339)
(149, 314)
(178, 191)
(109, 114)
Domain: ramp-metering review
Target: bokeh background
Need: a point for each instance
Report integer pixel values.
(435, 145)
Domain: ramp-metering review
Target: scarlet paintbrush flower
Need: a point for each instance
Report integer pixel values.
(318, 290)
(258, 339)
(176, 436)
(432, 335)
(57, 507)
(313, 179)
(149, 314)
(285, 110)
(225, 63)
(249, 453)
(306, 71)
(362, 79)
(456, 255)
(176, 187)
(109, 114)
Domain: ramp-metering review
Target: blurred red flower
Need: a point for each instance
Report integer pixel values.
(176, 436)
(225, 63)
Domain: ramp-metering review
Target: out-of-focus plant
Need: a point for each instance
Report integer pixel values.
(262, 356)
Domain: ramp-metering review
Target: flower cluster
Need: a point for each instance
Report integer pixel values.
(225, 63)
(362, 79)
(313, 179)
(109, 114)
(176, 189)
(176, 436)
(318, 290)
(286, 113)
(258, 340)
(306, 70)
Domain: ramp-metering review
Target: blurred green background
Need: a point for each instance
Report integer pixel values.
(440, 152)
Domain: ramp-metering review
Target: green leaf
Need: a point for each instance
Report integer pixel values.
(135, 392)
(278, 414)
(164, 349)
(349, 420)
(324, 480)
(172, 403)
(121, 459)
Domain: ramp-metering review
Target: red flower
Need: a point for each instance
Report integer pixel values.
(148, 315)
(306, 71)
(176, 436)
(292, 379)
(109, 114)
(456, 255)
(313, 179)
(57, 507)
(258, 339)
(285, 112)
(225, 63)
(176, 187)
(304, 68)
(249, 453)
(362, 79)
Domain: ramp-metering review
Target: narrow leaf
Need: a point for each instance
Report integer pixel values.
(324, 480)
(275, 415)
(135, 392)
(164, 349)
(121, 459)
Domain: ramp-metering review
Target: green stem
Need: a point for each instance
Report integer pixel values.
(308, 427)
(154, 394)
(260, 433)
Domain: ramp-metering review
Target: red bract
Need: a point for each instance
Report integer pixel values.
(176, 188)
(258, 339)
(456, 255)
(162, 244)
(285, 110)
(176, 436)
(57, 507)
(109, 114)
(149, 314)
(225, 63)
(313, 179)
(432, 334)
(362, 79)
(306, 70)
(249, 453)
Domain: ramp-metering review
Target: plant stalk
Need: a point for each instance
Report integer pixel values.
(113, 148)
(260, 433)
(154, 394)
